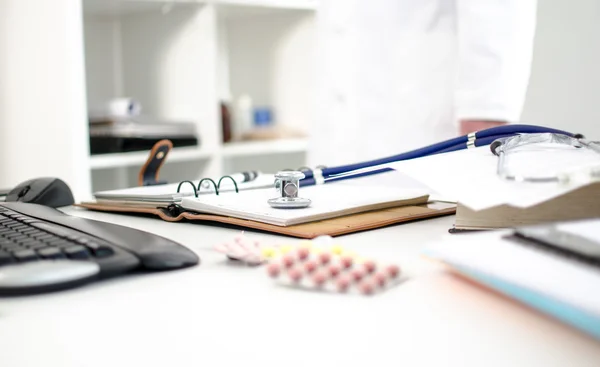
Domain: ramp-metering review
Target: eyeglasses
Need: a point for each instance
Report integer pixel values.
(589, 171)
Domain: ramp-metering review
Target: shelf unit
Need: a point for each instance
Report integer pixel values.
(182, 58)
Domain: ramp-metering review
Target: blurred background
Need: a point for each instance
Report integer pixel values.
(86, 86)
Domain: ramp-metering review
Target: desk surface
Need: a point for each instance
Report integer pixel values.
(218, 314)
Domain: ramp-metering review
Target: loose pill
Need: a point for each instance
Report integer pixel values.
(346, 262)
(295, 275)
(287, 261)
(369, 266)
(380, 279)
(393, 271)
(324, 258)
(310, 266)
(268, 252)
(357, 275)
(319, 278)
(274, 269)
(303, 253)
(337, 249)
(343, 283)
(366, 287)
(334, 270)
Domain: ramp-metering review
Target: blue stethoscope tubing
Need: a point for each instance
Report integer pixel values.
(477, 139)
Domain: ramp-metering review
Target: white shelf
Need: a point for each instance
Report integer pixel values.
(252, 7)
(114, 160)
(122, 7)
(264, 147)
(230, 7)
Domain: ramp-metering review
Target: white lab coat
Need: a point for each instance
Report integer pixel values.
(399, 74)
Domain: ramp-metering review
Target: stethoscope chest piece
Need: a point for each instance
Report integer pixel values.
(287, 184)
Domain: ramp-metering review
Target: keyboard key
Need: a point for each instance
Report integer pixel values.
(51, 253)
(43, 237)
(37, 246)
(16, 236)
(5, 241)
(6, 258)
(11, 245)
(29, 231)
(58, 242)
(25, 255)
(20, 237)
(26, 241)
(77, 252)
(99, 250)
(53, 228)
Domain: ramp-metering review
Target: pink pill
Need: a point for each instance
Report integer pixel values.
(369, 266)
(319, 278)
(380, 279)
(343, 283)
(310, 266)
(357, 275)
(324, 258)
(366, 288)
(346, 262)
(273, 269)
(295, 275)
(392, 271)
(303, 253)
(334, 270)
(287, 261)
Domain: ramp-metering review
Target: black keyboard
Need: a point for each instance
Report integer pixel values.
(23, 238)
(43, 249)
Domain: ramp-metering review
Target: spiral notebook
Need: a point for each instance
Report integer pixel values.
(328, 201)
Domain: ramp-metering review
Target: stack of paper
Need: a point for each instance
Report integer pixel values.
(485, 200)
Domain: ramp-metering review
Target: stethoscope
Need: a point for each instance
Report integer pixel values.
(288, 182)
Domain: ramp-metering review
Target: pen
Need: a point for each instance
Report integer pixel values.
(239, 177)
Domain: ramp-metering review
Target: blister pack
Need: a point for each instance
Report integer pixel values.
(333, 270)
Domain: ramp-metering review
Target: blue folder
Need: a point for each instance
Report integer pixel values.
(567, 313)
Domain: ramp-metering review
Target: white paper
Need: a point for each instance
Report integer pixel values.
(589, 229)
(327, 201)
(470, 176)
(525, 266)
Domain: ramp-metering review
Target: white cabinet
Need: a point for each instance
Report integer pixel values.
(180, 59)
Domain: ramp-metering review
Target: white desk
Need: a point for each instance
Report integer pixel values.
(218, 314)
